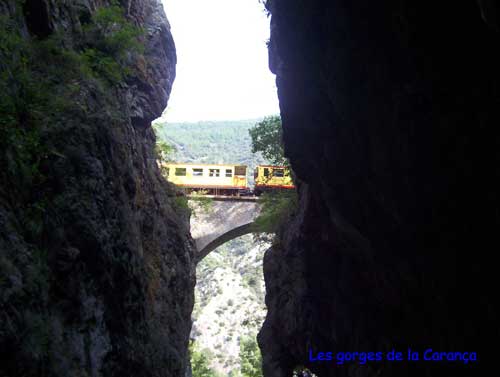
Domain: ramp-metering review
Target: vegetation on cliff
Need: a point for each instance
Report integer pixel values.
(279, 206)
(71, 208)
(41, 79)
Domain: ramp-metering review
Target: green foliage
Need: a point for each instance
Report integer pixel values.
(267, 139)
(251, 359)
(234, 316)
(39, 80)
(109, 43)
(200, 203)
(277, 207)
(181, 203)
(195, 206)
(97, 64)
(115, 35)
(22, 107)
(200, 362)
(164, 151)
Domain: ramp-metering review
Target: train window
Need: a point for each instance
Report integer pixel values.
(197, 172)
(214, 172)
(240, 170)
(168, 172)
(279, 172)
(266, 172)
(229, 173)
(180, 171)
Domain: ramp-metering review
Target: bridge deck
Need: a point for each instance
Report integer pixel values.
(227, 198)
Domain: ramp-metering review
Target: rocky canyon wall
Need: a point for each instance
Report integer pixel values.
(96, 261)
(390, 115)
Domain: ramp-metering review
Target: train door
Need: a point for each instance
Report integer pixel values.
(240, 176)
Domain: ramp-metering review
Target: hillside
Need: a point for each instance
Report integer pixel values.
(229, 301)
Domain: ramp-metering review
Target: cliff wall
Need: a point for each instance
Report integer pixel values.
(96, 263)
(390, 114)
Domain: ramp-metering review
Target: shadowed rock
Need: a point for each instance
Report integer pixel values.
(390, 120)
(105, 288)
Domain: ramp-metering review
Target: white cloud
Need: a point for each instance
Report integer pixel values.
(222, 67)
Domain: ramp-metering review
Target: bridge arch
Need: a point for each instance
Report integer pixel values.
(222, 239)
(225, 220)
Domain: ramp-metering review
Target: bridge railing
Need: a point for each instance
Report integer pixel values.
(229, 198)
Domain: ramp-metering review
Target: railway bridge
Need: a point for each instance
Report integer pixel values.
(228, 218)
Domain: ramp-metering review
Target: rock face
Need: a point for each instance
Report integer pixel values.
(390, 114)
(105, 288)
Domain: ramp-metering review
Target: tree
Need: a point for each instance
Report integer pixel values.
(200, 362)
(251, 359)
(278, 206)
(267, 139)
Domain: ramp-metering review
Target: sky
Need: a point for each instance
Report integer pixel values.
(222, 62)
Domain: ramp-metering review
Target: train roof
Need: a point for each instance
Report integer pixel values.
(195, 164)
(273, 166)
(228, 164)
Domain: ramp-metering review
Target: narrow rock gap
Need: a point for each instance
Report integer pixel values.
(390, 120)
(229, 303)
(221, 90)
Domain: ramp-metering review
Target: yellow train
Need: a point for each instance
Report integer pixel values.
(272, 178)
(212, 179)
(227, 179)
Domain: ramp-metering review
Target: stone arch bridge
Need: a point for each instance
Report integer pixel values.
(228, 218)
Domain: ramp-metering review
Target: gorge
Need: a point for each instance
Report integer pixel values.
(390, 116)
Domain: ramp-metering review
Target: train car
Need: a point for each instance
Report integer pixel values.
(211, 179)
(272, 178)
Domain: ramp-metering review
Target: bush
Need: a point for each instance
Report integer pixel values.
(181, 203)
(276, 209)
(267, 139)
(251, 359)
(200, 203)
(200, 362)
(109, 43)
